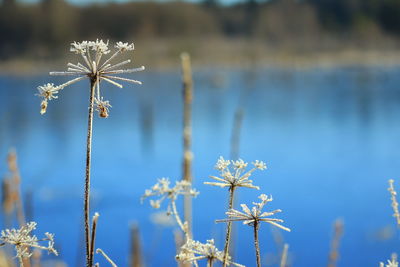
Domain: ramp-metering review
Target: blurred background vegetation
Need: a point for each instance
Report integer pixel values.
(209, 30)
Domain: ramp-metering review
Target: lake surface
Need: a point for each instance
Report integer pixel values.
(330, 138)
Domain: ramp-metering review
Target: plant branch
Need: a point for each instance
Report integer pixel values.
(93, 81)
(256, 227)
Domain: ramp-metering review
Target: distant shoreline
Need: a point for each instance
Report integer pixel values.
(224, 57)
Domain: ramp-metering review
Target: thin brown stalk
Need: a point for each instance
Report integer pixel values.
(256, 227)
(209, 262)
(338, 233)
(93, 238)
(284, 255)
(187, 135)
(136, 251)
(87, 172)
(36, 258)
(16, 196)
(229, 226)
(16, 181)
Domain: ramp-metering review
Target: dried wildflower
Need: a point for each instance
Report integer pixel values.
(163, 190)
(102, 107)
(124, 46)
(47, 92)
(23, 240)
(253, 218)
(93, 68)
(392, 262)
(254, 215)
(193, 251)
(235, 176)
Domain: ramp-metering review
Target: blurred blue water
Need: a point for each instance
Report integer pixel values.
(330, 138)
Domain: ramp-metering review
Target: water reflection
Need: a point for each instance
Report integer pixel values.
(329, 137)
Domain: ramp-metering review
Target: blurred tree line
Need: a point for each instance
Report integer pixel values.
(38, 28)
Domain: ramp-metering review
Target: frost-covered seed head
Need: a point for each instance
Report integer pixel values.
(22, 239)
(193, 251)
(124, 46)
(233, 173)
(94, 67)
(255, 214)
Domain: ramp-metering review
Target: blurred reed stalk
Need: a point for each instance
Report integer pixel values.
(235, 136)
(187, 135)
(16, 186)
(235, 144)
(178, 238)
(36, 258)
(338, 233)
(12, 198)
(136, 247)
(284, 255)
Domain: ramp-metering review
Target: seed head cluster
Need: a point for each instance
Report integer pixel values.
(163, 190)
(255, 214)
(233, 173)
(95, 67)
(193, 251)
(23, 240)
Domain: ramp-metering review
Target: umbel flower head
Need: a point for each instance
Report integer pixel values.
(193, 251)
(23, 240)
(233, 173)
(163, 190)
(94, 68)
(391, 263)
(255, 215)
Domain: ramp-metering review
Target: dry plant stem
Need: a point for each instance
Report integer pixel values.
(87, 173)
(178, 238)
(93, 238)
(338, 233)
(229, 226)
(106, 257)
(187, 135)
(256, 227)
(209, 263)
(178, 220)
(284, 255)
(136, 251)
(21, 262)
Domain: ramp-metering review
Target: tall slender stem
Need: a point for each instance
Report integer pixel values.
(229, 226)
(256, 226)
(87, 172)
(284, 255)
(178, 220)
(209, 262)
(187, 136)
